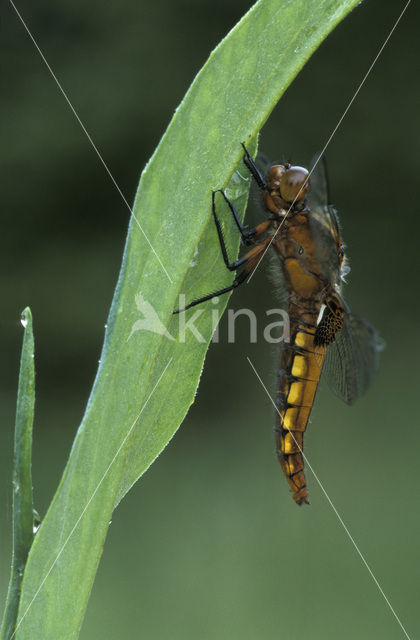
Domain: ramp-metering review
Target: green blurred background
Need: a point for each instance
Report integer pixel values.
(209, 543)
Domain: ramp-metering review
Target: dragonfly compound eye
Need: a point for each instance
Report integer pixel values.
(294, 184)
(274, 176)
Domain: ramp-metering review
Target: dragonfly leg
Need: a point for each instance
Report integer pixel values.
(254, 233)
(256, 173)
(234, 265)
(250, 259)
(240, 278)
(246, 235)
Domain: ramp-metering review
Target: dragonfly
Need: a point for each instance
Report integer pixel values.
(302, 229)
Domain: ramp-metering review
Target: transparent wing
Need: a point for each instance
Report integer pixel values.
(276, 275)
(351, 360)
(255, 210)
(319, 191)
(263, 163)
(324, 222)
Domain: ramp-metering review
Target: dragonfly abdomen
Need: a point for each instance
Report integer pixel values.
(300, 370)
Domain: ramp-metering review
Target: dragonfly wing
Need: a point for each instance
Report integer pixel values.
(324, 222)
(319, 191)
(351, 360)
(263, 163)
(276, 275)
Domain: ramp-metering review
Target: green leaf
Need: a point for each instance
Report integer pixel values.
(146, 381)
(23, 513)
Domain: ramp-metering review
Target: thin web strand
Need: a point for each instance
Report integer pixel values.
(334, 131)
(88, 502)
(89, 137)
(333, 507)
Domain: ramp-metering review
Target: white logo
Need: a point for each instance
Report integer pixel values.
(274, 332)
(150, 320)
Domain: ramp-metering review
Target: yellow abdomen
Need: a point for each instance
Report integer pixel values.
(300, 370)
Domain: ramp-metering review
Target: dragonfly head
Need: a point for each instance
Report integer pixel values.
(290, 182)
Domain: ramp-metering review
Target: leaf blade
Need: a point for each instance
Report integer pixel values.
(23, 512)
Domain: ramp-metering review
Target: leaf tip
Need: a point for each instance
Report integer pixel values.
(26, 317)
